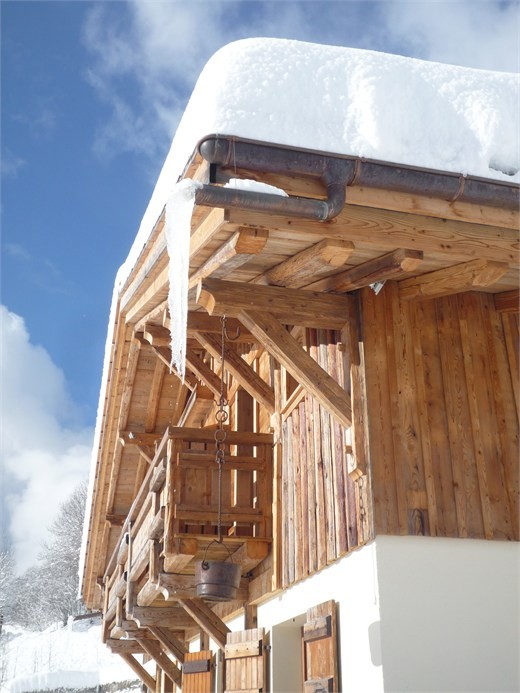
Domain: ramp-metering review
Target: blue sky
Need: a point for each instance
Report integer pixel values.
(91, 94)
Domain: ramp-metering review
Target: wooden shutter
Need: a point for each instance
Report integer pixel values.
(245, 661)
(197, 672)
(319, 649)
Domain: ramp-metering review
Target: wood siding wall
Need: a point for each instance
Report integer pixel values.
(325, 511)
(442, 388)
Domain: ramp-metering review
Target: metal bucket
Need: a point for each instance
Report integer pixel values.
(217, 581)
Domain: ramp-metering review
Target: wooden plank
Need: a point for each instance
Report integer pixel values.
(455, 241)
(206, 231)
(390, 266)
(291, 306)
(287, 351)
(319, 649)
(476, 274)
(139, 671)
(210, 324)
(204, 435)
(124, 646)
(170, 642)
(386, 513)
(206, 619)
(508, 301)
(246, 672)
(153, 649)
(311, 264)
(244, 244)
(240, 370)
(204, 372)
(304, 498)
(246, 648)
(197, 672)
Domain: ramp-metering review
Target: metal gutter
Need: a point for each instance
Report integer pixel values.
(336, 173)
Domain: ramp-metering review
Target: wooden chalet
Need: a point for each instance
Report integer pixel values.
(369, 490)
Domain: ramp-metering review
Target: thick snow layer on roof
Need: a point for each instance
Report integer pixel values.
(343, 101)
(350, 101)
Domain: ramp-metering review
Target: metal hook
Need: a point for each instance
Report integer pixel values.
(231, 339)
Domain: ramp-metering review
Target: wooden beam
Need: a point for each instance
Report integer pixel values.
(172, 671)
(202, 322)
(180, 553)
(170, 642)
(167, 616)
(124, 646)
(206, 231)
(441, 239)
(207, 620)
(204, 372)
(311, 264)
(389, 266)
(139, 670)
(240, 370)
(290, 306)
(287, 351)
(473, 275)
(154, 396)
(508, 301)
(199, 405)
(157, 335)
(249, 555)
(241, 247)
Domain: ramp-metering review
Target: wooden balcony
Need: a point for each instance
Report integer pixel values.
(173, 524)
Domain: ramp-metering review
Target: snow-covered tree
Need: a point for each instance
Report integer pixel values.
(6, 584)
(48, 592)
(60, 557)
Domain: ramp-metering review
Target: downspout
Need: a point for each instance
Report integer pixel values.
(336, 173)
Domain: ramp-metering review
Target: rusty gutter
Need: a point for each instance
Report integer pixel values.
(337, 173)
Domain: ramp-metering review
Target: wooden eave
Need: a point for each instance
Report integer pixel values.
(429, 246)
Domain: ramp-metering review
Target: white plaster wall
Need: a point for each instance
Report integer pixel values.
(450, 614)
(352, 582)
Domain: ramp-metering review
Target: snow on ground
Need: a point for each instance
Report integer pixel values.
(58, 657)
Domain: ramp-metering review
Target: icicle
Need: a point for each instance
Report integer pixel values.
(377, 286)
(179, 209)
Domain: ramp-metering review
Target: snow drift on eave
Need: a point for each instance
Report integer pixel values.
(348, 101)
(343, 101)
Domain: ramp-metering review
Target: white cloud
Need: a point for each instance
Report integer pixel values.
(44, 453)
(473, 33)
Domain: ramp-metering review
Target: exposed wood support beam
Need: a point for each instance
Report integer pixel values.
(249, 555)
(389, 266)
(287, 351)
(156, 335)
(123, 646)
(155, 293)
(473, 275)
(508, 301)
(199, 405)
(195, 435)
(241, 247)
(202, 322)
(180, 554)
(290, 306)
(168, 616)
(240, 370)
(206, 231)
(153, 397)
(207, 620)
(311, 264)
(203, 372)
(172, 671)
(139, 670)
(165, 355)
(170, 642)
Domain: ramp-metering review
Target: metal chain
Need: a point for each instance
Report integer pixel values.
(220, 434)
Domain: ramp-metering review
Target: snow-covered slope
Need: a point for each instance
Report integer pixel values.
(70, 657)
